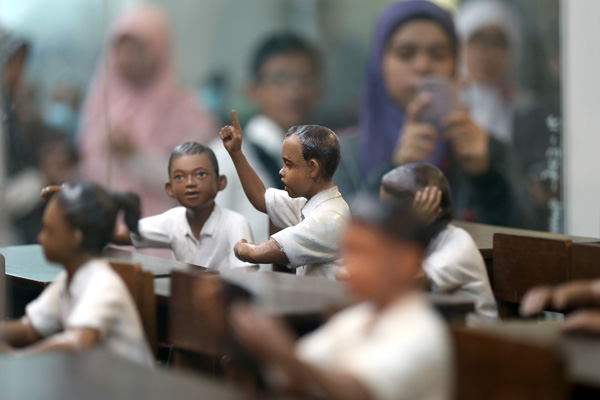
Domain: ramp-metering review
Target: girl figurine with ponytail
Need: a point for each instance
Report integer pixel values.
(88, 304)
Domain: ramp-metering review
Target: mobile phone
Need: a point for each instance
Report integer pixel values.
(444, 99)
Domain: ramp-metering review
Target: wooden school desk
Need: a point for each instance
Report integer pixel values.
(99, 375)
(28, 272)
(483, 235)
(581, 353)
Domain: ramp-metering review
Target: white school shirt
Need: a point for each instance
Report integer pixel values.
(400, 353)
(97, 298)
(265, 133)
(454, 264)
(221, 231)
(311, 229)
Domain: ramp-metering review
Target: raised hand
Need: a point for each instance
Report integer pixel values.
(232, 135)
(427, 204)
(417, 139)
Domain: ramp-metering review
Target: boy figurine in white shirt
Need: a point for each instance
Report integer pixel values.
(88, 304)
(453, 264)
(310, 211)
(199, 231)
(390, 346)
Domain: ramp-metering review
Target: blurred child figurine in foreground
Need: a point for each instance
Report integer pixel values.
(88, 304)
(390, 346)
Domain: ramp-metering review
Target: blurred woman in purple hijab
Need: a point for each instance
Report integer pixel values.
(415, 42)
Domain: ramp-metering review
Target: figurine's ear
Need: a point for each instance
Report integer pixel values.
(77, 238)
(315, 168)
(169, 190)
(221, 182)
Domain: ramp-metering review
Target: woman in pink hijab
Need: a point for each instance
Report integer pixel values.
(146, 112)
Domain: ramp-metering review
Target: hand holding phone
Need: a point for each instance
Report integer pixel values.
(443, 101)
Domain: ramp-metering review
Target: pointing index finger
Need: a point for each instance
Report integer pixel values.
(236, 122)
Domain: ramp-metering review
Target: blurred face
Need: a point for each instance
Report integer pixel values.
(58, 239)
(416, 49)
(13, 71)
(379, 267)
(193, 181)
(133, 61)
(296, 173)
(486, 55)
(287, 89)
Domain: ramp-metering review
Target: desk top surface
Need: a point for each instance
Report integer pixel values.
(484, 235)
(29, 263)
(97, 374)
(280, 294)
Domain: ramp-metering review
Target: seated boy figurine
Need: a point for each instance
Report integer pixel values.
(310, 211)
(583, 296)
(88, 304)
(199, 231)
(390, 346)
(453, 264)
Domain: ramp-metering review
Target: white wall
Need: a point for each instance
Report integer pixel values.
(580, 34)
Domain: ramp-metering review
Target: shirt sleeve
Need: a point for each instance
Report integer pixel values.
(154, 232)
(282, 209)
(314, 240)
(100, 304)
(44, 312)
(455, 264)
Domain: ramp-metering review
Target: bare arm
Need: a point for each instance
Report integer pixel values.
(271, 342)
(121, 236)
(253, 186)
(18, 333)
(70, 340)
(263, 253)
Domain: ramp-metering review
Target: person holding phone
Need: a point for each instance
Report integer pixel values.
(414, 41)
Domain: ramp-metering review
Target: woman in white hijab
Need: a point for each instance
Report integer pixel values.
(491, 35)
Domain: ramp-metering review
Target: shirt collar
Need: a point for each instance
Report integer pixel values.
(211, 225)
(320, 198)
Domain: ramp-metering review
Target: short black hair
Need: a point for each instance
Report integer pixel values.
(193, 148)
(403, 183)
(279, 44)
(93, 210)
(391, 218)
(318, 143)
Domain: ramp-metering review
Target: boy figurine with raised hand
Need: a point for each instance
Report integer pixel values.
(310, 211)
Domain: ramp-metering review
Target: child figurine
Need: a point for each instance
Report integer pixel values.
(453, 264)
(390, 346)
(310, 211)
(199, 231)
(88, 304)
